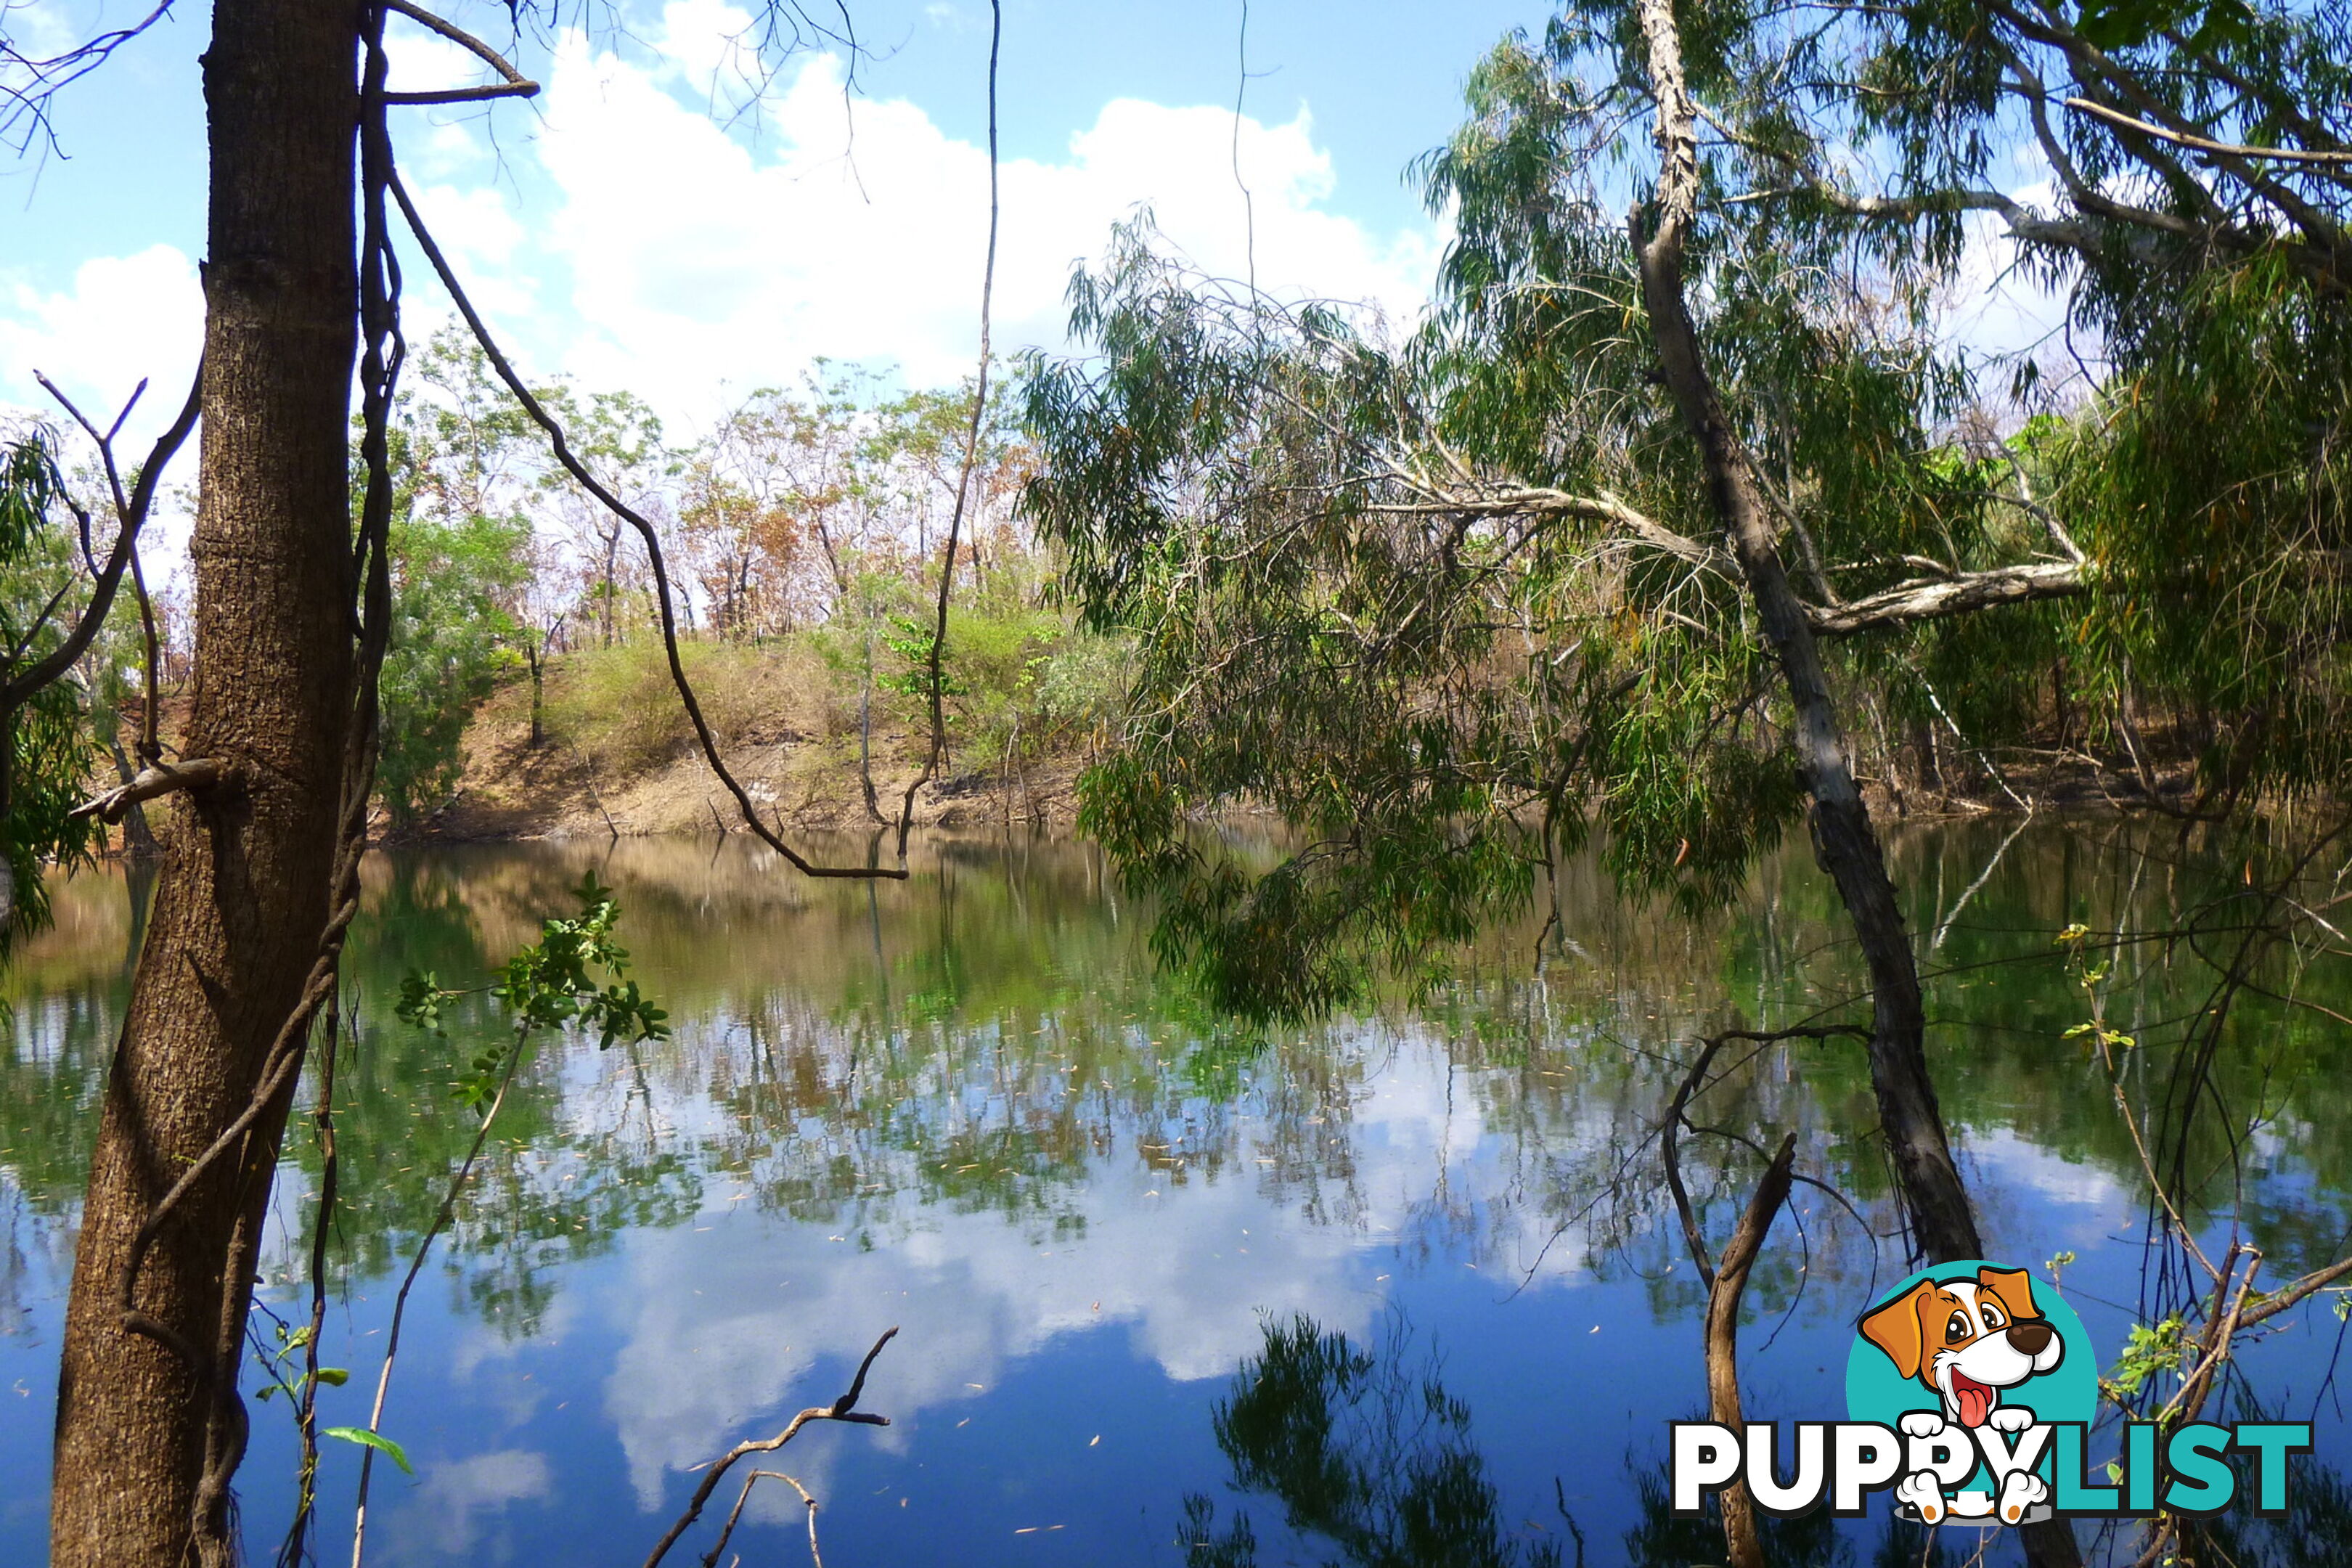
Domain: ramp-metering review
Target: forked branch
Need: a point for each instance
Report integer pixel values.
(842, 1409)
(161, 779)
(514, 84)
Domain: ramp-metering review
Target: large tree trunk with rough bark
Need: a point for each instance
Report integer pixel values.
(148, 1434)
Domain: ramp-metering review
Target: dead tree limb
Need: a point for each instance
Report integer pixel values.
(932, 675)
(1725, 1280)
(152, 783)
(842, 1409)
(710, 1558)
(513, 83)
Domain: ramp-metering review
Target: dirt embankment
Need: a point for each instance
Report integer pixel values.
(799, 774)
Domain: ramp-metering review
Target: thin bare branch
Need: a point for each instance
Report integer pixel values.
(842, 1409)
(971, 456)
(513, 83)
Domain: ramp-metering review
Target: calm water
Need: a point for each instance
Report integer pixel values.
(967, 1105)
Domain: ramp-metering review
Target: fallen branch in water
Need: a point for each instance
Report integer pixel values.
(842, 1409)
(710, 1558)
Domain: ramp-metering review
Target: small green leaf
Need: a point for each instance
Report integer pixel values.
(367, 1439)
(333, 1376)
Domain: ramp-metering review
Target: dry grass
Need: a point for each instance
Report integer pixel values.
(618, 708)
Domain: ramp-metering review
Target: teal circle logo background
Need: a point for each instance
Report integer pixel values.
(1875, 1390)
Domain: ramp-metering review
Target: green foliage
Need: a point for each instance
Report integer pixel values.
(49, 753)
(1448, 601)
(367, 1439)
(1361, 1448)
(909, 641)
(1436, 702)
(2148, 1351)
(461, 560)
(30, 486)
(452, 637)
(552, 985)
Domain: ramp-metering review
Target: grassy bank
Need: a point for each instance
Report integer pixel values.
(807, 719)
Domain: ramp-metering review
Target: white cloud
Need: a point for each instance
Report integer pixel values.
(624, 233)
(420, 61)
(42, 29)
(445, 1517)
(695, 258)
(972, 1298)
(1191, 1272)
(1995, 307)
(123, 318)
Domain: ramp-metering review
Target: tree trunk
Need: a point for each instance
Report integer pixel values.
(147, 1438)
(612, 566)
(1937, 1202)
(138, 838)
(866, 729)
(1943, 1226)
(1741, 1540)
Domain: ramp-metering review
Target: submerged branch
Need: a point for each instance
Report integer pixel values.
(842, 1409)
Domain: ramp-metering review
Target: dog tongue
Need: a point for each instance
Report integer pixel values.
(1976, 1399)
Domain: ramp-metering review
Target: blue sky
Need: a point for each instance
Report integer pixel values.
(619, 231)
(638, 226)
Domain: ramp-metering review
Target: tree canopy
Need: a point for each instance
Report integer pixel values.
(1450, 598)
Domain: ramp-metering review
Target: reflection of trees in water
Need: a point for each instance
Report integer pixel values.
(1664, 1539)
(1363, 1448)
(993, 1037)
(2316, 1532)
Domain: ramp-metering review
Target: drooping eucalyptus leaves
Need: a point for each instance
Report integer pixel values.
(1447, 598)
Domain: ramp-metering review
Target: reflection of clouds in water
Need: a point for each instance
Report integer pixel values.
(2010, 1163)
(484, 1357)
(725, 1327)
(442, 1518)
(969, 1299)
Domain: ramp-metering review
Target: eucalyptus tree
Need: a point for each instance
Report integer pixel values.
(49, 721)
(1668, 488)
(148, 1428)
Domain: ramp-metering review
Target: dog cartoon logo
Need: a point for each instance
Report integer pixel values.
(1969, 1393)
(1963, 1360)
(1968, 1340)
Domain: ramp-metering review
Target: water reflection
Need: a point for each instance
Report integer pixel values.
(969, 1105)
(1363, 1448)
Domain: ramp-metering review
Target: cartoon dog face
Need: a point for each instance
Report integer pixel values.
(1968, 1339)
